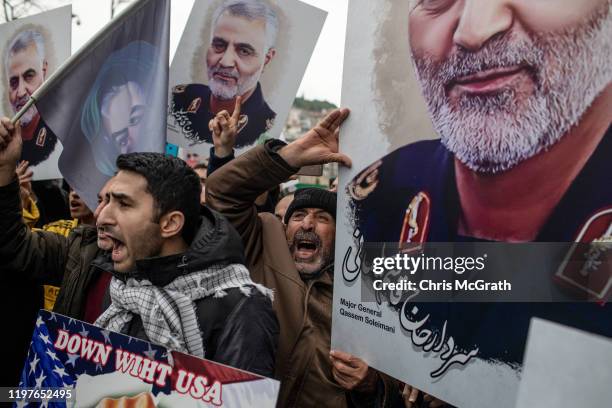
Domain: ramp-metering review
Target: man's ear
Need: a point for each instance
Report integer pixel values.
(44, 69)
(171, 224)
(269, 56)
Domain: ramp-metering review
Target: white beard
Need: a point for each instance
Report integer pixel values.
(493, 133)
(28, 116)
(227, 92)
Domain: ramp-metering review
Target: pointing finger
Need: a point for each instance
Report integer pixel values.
(237, 108)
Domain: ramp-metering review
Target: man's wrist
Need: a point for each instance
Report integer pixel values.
(222, 151)
(369, 383)
(291, 154)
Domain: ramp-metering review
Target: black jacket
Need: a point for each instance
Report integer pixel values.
(31, 258)
(240, 331)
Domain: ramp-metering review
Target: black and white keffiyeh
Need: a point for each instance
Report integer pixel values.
(168, 313)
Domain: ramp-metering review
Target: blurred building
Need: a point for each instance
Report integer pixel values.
(303, 116)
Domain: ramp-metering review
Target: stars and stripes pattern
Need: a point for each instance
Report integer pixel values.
(47, 367)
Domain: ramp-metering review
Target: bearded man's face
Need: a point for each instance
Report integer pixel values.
(505, 79)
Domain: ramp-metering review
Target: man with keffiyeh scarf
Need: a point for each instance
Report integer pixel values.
(179, 278)
(178, 274)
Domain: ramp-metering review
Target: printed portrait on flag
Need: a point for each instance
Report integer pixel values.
(101, 368)
(115, 116)
(111, 98)
(255, 49)
(474, 122)
(31, 49)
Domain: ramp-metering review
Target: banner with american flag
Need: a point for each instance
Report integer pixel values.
(109, 369)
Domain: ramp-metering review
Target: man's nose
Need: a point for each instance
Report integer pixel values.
(308, 223)
(482, 20)
(229, 58)
(104, 215)
(21, 89)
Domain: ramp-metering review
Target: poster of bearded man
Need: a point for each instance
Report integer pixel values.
(31, 49)
(485, 122)
(256, 49)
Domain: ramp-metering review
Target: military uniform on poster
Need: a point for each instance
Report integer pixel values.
(416, 201)
(40, 146)
(190, 109)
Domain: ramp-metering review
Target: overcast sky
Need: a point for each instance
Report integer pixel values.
(323, 76)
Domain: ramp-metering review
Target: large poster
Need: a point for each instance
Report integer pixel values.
(90, 367)
(256, 49)
(480, 124)
(31, 49)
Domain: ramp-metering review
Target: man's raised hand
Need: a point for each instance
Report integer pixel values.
(224, 128)
(319, 145)
(10, 150)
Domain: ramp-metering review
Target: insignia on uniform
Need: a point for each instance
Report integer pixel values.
(587, 267)
(178, 89)
(269, 124)
(42, 136)
(194, 105)
(416, 222)
(242, 122)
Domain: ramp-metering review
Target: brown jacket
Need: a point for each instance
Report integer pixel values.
(303, 308)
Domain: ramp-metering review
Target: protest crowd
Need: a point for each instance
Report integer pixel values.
(265, 304)
(214, 259)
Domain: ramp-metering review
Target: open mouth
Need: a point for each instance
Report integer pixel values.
(119, 251)
(306, 249)
(489, 80)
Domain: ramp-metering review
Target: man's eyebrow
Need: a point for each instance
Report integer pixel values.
(247, 46)
(218, 40)
(119, 196)
(29, 71)
(319, 211)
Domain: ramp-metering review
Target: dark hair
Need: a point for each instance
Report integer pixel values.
(200, 166)
(172, 183)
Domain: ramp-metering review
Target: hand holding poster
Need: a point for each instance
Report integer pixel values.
(256, 49)
(477, 128)
(32, 48)
(101, 368)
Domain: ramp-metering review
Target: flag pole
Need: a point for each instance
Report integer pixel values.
(63, 68)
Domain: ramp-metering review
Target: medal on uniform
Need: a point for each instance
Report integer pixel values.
(587, 268)
(178, 89)
(42, 135)
(194, 105)
(242, 122)
(416, 223)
